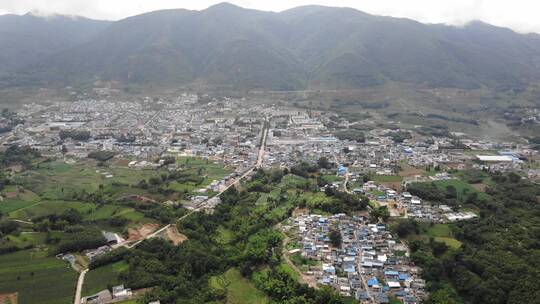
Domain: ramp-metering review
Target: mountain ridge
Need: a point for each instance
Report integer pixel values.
(304, 47)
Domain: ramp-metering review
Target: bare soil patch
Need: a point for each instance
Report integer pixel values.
(480, 187)
(410, 172)
(393, 185)
(9, 298)
(136, 234)
(138, 198)
(175, 236)
(299, 211)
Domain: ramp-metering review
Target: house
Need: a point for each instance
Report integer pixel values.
(111, 237)
(373, 282)
(121, 292)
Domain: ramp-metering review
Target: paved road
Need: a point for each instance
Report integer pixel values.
(79, 286)
(258, 164)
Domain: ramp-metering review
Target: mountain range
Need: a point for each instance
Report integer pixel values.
(309, 47)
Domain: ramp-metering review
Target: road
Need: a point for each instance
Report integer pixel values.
(345, 182)
(80, 282)
(258, 164)
(364, 282)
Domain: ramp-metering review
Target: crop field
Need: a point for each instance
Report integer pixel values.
(103, 277)
(50, 207)
(208, 169)
(239, 289)
(387, 178)
(25, 239)
(463, 188)
(14, 199)
(54, 179)
(108, 211)
(37, 278)
(443, 233)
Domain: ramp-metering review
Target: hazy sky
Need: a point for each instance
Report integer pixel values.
(520, 15)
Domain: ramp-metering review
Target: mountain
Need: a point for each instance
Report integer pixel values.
(305, 47)
(29, 39)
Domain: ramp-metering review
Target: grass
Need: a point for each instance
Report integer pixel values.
(373, 204)
(103, 277)
(239, 289)
(224, 235)
(387, 178)
(26, 239)
(329, 179)
(22, 199)
(443, 233)
(50, 207)
(209, 169)
(37, 277)
(288, 269)
(463, 188)
(55, 180)
(109, 211)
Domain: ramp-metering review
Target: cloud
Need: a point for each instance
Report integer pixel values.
(520, 15)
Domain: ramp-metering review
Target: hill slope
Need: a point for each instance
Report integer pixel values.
(29, 39)
(305, 47)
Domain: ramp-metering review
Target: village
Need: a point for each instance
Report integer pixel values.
(368, 263)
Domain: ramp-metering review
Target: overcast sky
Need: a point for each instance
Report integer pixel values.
(520, 15)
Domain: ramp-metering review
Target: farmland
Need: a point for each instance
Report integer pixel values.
(239, 289)
(102, 278)
(462, 188)
(443, 233)
(32, 273)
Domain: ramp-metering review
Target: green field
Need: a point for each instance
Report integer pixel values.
(102, 278)
(239, 289)
(50, 207)
(22, 199)
(54, 180)
(224, 235)
(27, 239)
(37, 277)
(387, 178)
(443, 233)
(108, 211)
(210, 170)
(463, 188)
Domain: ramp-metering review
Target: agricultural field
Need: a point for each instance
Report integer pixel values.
(102, 278)
(210, 170)
(387, 178)
(24, 239)
(443, 233)
(462, 188)
(14, 198)
(45, 208)
(37, 276)
(54, 180)
(239, 289)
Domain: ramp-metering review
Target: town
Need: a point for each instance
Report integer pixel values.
(231, 139)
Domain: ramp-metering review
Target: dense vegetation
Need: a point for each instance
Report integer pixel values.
(351, 134)
(181, 274)
(499, 259)
(79, 135)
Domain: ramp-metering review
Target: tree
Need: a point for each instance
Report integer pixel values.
(335, 238)
(451, 191)
(323, 163)
(329, 191)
